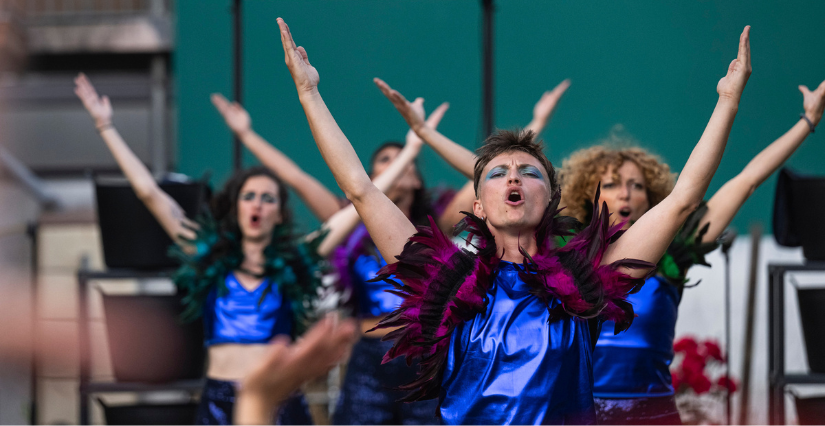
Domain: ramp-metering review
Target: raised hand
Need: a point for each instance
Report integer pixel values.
(733, 83)
(547, 104)
(233, 113)
(813, 102)
(303, 73)
(413, 118)
(432, 121)
(99, 107)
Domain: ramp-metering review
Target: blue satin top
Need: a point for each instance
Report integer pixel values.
(373, 300)
(511, 366)
(636, 362)
(246, 317)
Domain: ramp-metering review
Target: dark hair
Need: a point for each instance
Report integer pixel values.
(504, 141)
(421, 205)
(225, 209)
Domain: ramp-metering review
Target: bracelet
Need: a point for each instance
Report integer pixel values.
(104, 127)
(808, 120)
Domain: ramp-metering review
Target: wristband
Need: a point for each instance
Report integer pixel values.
(106, 126)
(808, 120)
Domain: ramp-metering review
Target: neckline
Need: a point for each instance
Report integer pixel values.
(240, 284)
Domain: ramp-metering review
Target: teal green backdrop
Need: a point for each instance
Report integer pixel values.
(641, 69)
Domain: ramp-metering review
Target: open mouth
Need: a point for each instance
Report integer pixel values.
(514, 197)
(624, 212)
(255, 220)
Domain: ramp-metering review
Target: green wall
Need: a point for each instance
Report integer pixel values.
(650, 67)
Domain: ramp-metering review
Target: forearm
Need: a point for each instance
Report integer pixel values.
(695, 177)
(345, 220)
(461, 158)
(334, 146)
(462, 201)
(726, 202)
(138, 175)
(320, 200)
(536, 126)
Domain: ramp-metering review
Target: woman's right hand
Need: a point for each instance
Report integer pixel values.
(813, 102)
(303, 73)
(233, 113)
(733, 83)
(432, 121)
(99, 107)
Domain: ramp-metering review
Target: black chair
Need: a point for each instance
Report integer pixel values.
(149, 414)
(130, 235)
(798, 213)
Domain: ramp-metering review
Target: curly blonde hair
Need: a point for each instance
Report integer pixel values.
(582, 171)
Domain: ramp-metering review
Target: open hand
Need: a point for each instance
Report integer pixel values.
(413, 118)
(303, 73)
(549, 100)
(99, 107)
(432, 121)
(287, 366)
(732, 84)
(813, 102)
(233, 113)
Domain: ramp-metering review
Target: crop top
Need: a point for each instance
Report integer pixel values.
(246, 317)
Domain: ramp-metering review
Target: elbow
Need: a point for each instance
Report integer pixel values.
(357, 193)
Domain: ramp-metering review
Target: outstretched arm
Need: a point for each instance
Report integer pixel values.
(388, 226)
(461, 158)
(285, 367)
(723, 206)
(546, 106)
(345, 220)
(164, 208)
(650, 236)
(317, 197)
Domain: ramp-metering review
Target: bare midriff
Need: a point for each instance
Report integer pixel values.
(232, 361)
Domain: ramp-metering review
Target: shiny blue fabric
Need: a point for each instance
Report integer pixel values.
(511, 366)
(636, 362)
(373, 300)
(243, 316)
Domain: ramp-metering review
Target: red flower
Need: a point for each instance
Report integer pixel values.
(727, 383)
(712, 350)
(693, 365)
(700, 383)
(686, 345)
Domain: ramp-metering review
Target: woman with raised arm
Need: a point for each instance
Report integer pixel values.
(367, 393)
(243, 270)
(320, 200)
(500, 331)
(633, 384)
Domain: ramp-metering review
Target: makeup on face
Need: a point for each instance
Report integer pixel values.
(266, 197)
(525, 170)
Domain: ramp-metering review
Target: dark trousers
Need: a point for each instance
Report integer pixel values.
(659, 410)
(367, 395)
(217, 405)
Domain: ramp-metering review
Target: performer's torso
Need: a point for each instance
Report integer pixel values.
(511, 366)
(636, 362)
